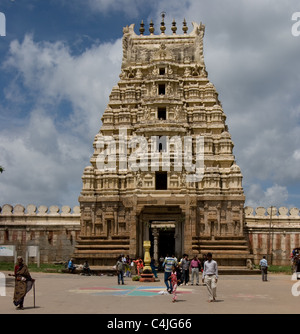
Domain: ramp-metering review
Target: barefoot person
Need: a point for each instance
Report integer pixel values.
(210, 277)
(23, 283)
(174, 283)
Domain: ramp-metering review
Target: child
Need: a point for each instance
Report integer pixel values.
(139, 266)
(174, 282)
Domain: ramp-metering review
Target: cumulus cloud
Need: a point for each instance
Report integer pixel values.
(51, 74)
(44, 159)
(251, 58)
(273, 196)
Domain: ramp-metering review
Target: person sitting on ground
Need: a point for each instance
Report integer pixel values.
(71, 266)
(86, 268)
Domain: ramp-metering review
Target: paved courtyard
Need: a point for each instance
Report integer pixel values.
(76, 294)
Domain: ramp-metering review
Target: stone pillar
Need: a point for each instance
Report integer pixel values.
(241, 219)
(218, 219)
(206, 228)
(147, 258)
(155, 234)
(116, 231)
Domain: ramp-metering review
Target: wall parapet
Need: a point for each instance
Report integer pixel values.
(279, 213)
(42, 210)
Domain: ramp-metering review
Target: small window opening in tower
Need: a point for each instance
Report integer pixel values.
(161, 180)
(161, 143)
(162, 71)
(161, 89)
(162, 113)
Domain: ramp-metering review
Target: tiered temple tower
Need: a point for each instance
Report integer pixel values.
(139, 186)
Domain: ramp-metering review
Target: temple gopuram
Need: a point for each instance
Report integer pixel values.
(163, 167)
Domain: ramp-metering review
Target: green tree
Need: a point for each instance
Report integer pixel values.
(1, 169)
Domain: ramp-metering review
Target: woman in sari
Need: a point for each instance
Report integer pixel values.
(23, 283)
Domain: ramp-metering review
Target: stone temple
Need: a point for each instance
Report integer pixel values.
(145, 180)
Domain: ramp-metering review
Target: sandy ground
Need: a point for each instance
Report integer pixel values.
(76, 294)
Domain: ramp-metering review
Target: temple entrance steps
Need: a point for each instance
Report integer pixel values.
(100, 251)
(231, 253)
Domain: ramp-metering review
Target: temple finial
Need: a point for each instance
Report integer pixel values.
(174, 28)
(162, 24)
(151, 27)
(142, 29)
(184, 28)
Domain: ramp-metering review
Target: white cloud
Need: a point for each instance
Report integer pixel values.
(51, 74)
(44, 159)
(251, 58)
(130, 8)
(273, 196)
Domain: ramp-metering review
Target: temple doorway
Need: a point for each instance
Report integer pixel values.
(166, 243)
(164, 227)
(162, 237)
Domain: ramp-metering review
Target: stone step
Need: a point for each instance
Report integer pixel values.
(230, 238)
(104, 238)
(226, 270)
(229, 254)
(119, 250)
(103, 249)
(221, 242)
(222, 247)
(101, 244)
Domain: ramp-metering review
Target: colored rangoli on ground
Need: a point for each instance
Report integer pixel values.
(128, 290)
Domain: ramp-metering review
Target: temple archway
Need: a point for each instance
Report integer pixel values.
(164, 227)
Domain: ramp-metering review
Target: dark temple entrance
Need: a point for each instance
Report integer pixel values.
(165, 242)
(163, 226)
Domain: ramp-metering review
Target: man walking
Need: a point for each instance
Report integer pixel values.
(168, 264)
(210, 277)
(264, 268)
(185, 265)
(120, 270)
(195, 268)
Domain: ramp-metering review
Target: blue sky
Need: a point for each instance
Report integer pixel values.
(60, 59)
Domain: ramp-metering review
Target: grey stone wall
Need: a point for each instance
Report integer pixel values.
(53, 229)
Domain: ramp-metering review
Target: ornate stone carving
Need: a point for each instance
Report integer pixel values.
(163, 92)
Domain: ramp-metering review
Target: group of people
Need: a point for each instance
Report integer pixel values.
(125, 267)
(176, 273)
(85, 267)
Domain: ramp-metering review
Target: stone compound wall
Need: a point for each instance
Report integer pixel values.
(273, 235)
(55, 231)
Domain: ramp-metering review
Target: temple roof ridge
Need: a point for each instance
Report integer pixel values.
(198, 29)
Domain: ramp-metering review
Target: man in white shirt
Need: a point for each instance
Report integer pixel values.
(264, 268)
(210, 277)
